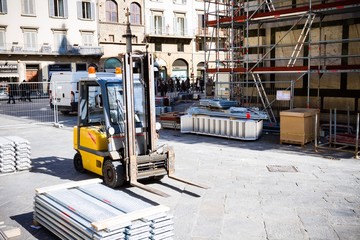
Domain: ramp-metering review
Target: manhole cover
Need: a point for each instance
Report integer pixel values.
(278, 168)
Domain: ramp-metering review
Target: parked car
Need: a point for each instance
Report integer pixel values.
(3, 92)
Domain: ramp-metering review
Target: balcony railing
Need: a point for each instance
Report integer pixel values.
(46, 49)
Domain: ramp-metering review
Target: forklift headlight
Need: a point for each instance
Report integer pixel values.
(111, 131)
(157, 126)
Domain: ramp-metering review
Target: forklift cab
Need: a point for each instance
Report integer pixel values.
(101, 107)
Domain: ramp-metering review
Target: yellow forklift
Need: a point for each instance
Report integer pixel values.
(116, 135)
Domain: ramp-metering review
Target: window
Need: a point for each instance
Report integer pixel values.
(201, 20)
(135, 13)
(2, 38)
(58, 8)
(157, 23)
(183, 2)
(81, 67)
(28, 7)
(111, 11)
(158, 47)
(30, 39)
(87, 39)
(86, 10)
(134, 39)
(180, 47)
(60, 41)
(200, 45)
(180, 24)
(3, 6)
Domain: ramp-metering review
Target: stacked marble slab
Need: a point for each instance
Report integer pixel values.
(22, 153)
(7, 155)
(14, 154)
(89, 210)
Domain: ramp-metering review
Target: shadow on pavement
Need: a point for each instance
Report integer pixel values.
(59, 167)
(26, 221)
(267, 141)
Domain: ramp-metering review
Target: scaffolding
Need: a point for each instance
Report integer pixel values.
(267, 42)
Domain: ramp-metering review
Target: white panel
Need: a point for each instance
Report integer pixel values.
(186, 123)
(222, 127)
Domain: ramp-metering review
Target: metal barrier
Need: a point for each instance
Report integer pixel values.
(25, 101)
(339, 137)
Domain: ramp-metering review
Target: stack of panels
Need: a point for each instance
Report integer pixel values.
(90, 210)
(217, 103)
(162, 228)
(7, 155)
(22, 152)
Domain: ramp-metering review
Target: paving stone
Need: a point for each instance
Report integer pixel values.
(348, 232)
(245, 200)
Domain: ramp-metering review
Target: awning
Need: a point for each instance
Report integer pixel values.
(155, 69)
(9, 75)
(159, 62)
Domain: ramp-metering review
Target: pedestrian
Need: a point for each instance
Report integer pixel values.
(187, 85)
(178, 86)
(201, 85)
(183, 86)
(24, 91)
(11, 88)
(27, 91)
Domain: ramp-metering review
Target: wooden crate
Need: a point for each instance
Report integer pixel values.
(297, 126)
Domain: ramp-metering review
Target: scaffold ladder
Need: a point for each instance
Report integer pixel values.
(300, 43)
(270, 5)
(263, 97)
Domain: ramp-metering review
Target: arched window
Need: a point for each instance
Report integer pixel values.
(135, 13)
(112, 63)
(111, 11)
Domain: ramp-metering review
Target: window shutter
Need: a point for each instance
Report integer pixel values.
(24, 7)
(51, 8)
(152, 28)
(79, 9)
(2, 39)
(4, 6)
(27, 40)
(185, 27)
(65, 8)
(92, 11)
(175, 28)
(162, 24)
(32, 7)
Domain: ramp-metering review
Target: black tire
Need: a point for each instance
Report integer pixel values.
(65, 112)
(158, 178)
(113, 173)
(78, 164)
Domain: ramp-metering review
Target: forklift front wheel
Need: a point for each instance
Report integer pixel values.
(78, 163)
(113, 173)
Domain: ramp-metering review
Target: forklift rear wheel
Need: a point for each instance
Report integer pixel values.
(65, 112)
(113, 173)
(78, 163)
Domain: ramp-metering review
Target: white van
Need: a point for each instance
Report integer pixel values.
(64, 90)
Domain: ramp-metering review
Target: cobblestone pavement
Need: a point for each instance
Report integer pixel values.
(257, 189)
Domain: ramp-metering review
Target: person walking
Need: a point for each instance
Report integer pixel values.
(25, 91)
(11, 92)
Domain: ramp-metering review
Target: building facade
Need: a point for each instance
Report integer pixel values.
(173, 30)
(113, 18)
(64, 35)
(40, 37)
